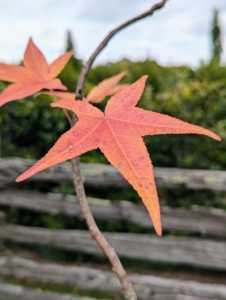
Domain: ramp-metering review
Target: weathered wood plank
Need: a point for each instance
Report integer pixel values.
(202, 220)
(146, 286)
(175, 250)
(16, 292)
(107, 175)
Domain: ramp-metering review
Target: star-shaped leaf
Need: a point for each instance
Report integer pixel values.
(118, 133)
(35, 75)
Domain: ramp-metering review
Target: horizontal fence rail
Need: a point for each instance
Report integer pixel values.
(147, 287)
(175, 250)
(202, 220)
(107, 175)
(16, 292)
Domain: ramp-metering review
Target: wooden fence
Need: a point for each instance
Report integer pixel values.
(107, 175)
(208, 251)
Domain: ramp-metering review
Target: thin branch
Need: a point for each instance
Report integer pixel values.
(98, 236)
(88, 64)
(77, 178)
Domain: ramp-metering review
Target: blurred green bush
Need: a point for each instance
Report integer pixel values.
(30, 127)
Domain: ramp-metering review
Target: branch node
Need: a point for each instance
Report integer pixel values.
(79, 95)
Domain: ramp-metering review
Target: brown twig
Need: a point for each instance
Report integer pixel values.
(98, 236)
(77, 178)
(88, 64)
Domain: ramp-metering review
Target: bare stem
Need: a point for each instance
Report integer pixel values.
(98, 236)
(88, 64)
(77, 178)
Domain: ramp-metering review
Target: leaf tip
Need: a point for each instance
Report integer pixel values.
(144, 78)
(55, 104)
(19, 178)
(218, 138)
(30, 42)
(157, 226)
(142, 81)
(71, 52)
(213, 135)
(159, 230)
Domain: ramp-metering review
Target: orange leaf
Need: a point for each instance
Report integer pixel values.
(58, 64)
(61, 95)
(35, 61)
(36, 74)
(117, 89)
(118, 133)
(19, 90)
(98, 93)
(16, 73)
(106, 88)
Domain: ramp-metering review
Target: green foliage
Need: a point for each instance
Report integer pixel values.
(198, 102)
(29, 128)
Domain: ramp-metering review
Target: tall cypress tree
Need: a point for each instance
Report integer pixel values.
(77, 63)
(216, 37)
(69, 44)
(69, 75)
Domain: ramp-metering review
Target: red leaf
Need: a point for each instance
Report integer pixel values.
(36, 74)
(118, 135)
